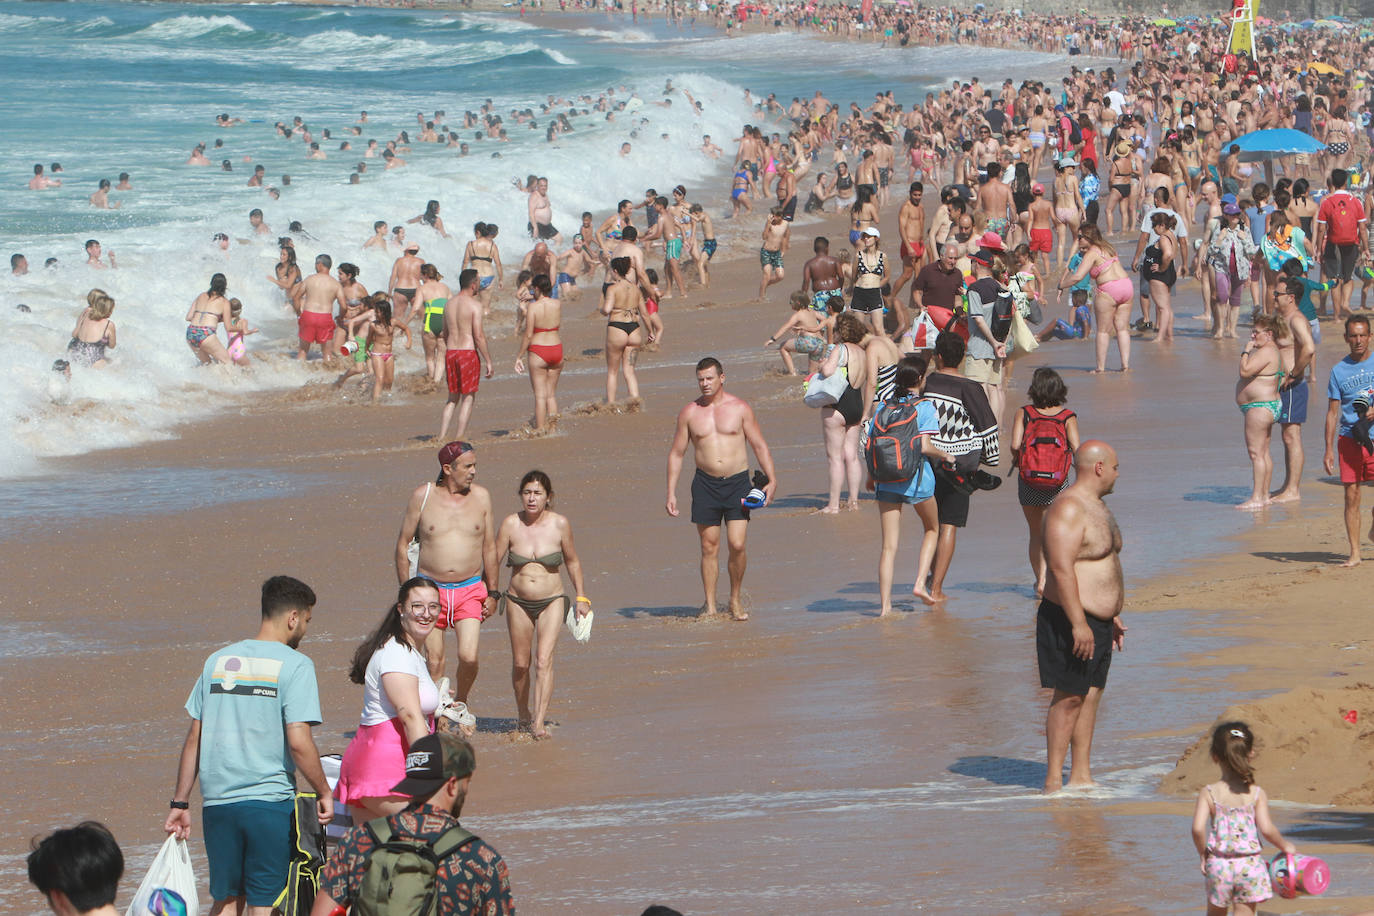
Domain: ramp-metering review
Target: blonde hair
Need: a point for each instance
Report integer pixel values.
(100, 306)
(94, 295)
(235, 308)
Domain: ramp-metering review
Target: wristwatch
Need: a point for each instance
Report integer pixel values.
(180, 806)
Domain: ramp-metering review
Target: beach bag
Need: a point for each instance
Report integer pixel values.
(307, 858)
(169, 888)
(401, 874)
(1002, 311)
(893, 450)
(413, 548)
(826, 390)
(579, 627)
(923, 332)
(1045, 456)
(1022, 337)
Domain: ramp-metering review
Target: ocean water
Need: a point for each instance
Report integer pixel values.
(105, 88)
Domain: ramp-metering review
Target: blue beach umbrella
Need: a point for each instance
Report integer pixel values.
(1260, 145)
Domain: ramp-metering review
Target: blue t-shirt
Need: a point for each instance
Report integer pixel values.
(1349, 379)
(246, 695)
(922, 486)
(1259, 218)
(1086, 284)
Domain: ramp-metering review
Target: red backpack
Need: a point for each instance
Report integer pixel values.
(1045, 456)
(1343, 223)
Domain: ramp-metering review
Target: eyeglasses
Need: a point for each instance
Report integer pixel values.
(420, 607)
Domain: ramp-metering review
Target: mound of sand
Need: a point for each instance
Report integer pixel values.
(1306, 749)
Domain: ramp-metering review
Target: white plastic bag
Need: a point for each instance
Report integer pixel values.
(579, 627)
(170, 870)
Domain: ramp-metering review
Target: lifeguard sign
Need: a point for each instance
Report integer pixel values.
(1243, 27)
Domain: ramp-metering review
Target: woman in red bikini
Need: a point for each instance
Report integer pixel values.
(543, 348)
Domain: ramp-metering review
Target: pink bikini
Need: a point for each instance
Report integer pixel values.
(1121, 289)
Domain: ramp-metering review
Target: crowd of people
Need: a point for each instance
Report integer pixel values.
(926, 342)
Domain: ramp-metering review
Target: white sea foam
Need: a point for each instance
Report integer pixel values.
(154, 383)
(178, 28)
(616, 35)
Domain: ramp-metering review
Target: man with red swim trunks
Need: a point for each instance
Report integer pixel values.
(452, 520)
(466, 343)
(315, 310)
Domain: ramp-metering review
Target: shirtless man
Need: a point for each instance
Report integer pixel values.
(93, 251)
(40, 182)
(315, 308)
(198, 156)
(718, 425)
(627, 248)
(911, 230)
(994, 199)
(124, 183)
(541, 214)
(255, 221)
(259, 174)
(539, 260)
(573, 264)
(821, 277)
(405, 280)
(452, 521)
(467, 352)
(1079, 620)
(1295, 358)
(101, 198)
(777, 235)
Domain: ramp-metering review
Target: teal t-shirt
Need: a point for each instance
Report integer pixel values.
(245, 697)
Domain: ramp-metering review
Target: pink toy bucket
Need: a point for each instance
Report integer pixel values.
(1295, 875)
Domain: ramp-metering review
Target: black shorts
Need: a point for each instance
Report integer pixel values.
(871, 188)
(789, 209)
(1059, 668)
(717, 499)
(545, 231)
(866, 299)
(1339, 261)
(951, 504)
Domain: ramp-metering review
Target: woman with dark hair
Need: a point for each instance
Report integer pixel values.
(399, 701)
(916, 491)
(623, 304)
(431, 218)
(1158, 269)
(210, 308)
(286, 274)
(536, 543)
(542, 346)
(840, 422)
(482, 255)
(1047, 396)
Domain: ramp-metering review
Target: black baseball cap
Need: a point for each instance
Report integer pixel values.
(432, 761)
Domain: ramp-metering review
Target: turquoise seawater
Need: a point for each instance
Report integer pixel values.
(105, 88)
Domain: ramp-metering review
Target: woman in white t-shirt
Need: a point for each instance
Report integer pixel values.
(399, 700)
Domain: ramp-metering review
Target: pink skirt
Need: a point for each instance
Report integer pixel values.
(374, 762)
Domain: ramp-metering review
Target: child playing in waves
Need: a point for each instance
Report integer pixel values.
(1230, 818)
(238, 329)
(376, 325)
(809, 330)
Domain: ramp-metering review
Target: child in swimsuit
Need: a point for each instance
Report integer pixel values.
(808, 328)
(381, 331)
(1230, 817)
(652, 322)
(238, 329)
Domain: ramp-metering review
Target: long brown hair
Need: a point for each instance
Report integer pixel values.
(389, 628)
(1094, 237)
(1232, 745)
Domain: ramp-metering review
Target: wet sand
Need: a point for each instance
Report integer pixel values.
(811, 759)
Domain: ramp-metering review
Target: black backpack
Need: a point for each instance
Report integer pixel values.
(1075, 134)
(893, 452)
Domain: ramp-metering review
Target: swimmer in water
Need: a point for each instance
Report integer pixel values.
(101, 198)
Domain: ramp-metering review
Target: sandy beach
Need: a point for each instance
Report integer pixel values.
(813, 759)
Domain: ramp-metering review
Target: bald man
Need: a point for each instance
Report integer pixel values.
(1079, 621)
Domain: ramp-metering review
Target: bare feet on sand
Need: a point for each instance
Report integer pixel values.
(1253, 504)
(1283, 496)
(828, 510)
(920, 592)
(737, 612)
(1353, 561)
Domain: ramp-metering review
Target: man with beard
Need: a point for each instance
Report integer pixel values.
(470, 876)
(251, 713)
